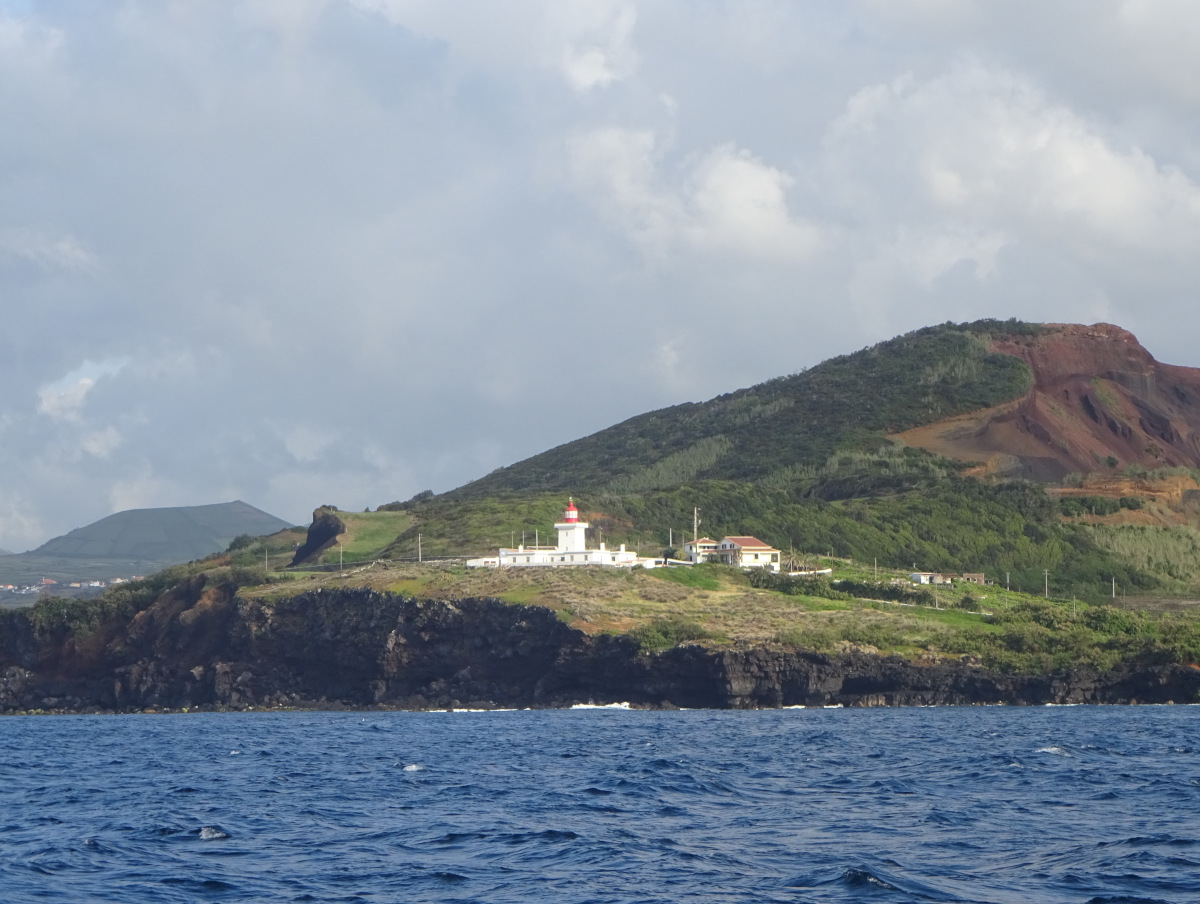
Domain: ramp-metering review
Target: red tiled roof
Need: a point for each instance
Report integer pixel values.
(748, 542)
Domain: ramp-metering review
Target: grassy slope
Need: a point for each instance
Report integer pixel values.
(367, 535)
(787, 423)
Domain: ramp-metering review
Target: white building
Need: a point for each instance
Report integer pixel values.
(744, 552)
(570, 550)
(928, 577)
(702, 550)
(748, 552)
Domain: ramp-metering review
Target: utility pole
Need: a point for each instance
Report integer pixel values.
(1114, 587)
(1046, 575)
(419, 556)
(339, 555)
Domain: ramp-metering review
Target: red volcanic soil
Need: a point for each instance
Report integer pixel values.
(1098, 396)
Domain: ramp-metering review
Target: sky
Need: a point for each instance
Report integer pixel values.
(306, 252)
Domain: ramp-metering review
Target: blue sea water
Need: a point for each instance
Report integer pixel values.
(1075, 804)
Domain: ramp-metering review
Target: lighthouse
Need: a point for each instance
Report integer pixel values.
(571, 550)
(572, 532)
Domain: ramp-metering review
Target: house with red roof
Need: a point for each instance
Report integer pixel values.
(748, 552)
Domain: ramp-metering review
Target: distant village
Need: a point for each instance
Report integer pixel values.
(49, 585)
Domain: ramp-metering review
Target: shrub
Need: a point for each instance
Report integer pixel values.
(969, 603)
(664, 633)
(241, 541)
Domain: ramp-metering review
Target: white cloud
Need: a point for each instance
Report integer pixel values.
(63, 399)
(726, 200)
(988, 148)
(600, 52)
(64, 403)
(740, 205)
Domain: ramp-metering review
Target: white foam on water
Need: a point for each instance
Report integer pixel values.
(600, 706)
(413, 767)
(234, 752)
(212, 833)
(1057, 751)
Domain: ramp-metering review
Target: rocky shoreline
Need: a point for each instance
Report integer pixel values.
(204, 648)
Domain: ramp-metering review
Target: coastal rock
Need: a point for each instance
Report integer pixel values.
(326, 527)
(203, 647)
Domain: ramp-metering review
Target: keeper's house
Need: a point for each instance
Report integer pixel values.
(744, 552)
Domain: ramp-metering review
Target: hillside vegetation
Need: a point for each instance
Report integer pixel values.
(848, 402)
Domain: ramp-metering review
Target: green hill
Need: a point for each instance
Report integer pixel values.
(176, 534)
(783, 426)
(138, 541)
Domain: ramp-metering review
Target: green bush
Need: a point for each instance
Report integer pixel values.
(664, 633)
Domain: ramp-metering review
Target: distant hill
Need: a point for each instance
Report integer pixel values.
(180, 534)
(139, 541)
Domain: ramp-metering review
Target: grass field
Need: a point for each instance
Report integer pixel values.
(367, 534)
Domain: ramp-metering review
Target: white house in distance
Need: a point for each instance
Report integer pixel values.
(702, 550)
(571, 550)
(744, 552)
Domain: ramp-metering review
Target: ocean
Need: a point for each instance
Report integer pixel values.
(988, 804)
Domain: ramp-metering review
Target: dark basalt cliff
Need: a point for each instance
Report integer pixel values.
(205, 648)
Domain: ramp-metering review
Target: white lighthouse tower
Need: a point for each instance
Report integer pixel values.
(571, 550)
(572, 532)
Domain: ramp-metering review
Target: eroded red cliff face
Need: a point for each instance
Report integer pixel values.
(1099, 401)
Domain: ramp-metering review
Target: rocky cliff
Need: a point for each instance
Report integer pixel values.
(204, 647)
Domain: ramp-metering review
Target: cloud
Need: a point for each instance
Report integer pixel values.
(600, 51)
(49, 252)
(740, 205)
(726, 200)
(65, 403)
(64, 398)
(987, 147)
(101, 443)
